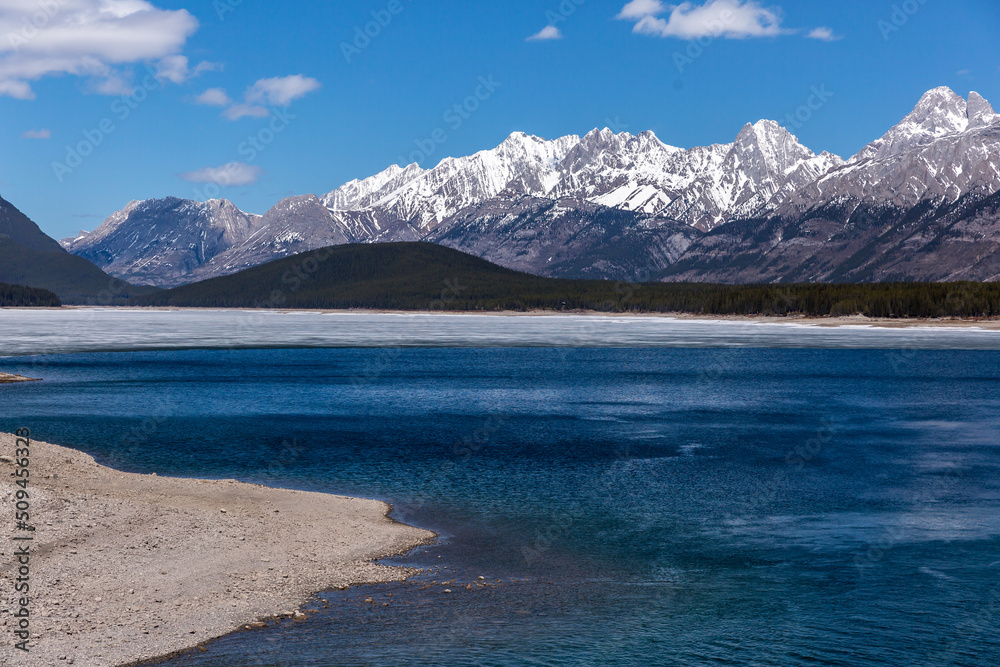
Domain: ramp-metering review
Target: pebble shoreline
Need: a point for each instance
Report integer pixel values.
(128, 568)
(7, 378)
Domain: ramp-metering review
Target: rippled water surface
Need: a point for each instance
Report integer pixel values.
(657, 505)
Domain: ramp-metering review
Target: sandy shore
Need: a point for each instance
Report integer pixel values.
(7, 378)
(131, 567)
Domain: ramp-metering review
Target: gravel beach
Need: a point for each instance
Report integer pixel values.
(127, 567)
(7, 378)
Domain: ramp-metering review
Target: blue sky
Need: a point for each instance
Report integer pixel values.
(161, 94)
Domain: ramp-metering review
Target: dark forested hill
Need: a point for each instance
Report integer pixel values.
(424, 276)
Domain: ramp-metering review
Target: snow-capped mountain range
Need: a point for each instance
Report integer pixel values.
(602, 205)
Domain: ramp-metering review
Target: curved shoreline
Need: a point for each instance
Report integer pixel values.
(127, 569)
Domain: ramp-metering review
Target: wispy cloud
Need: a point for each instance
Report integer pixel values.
(214, 97)
(547, 33)
(234, 173)
(823, 33)
(238, 111)
(733, 19)
(114, 83)
(281, 91)
(96, 39)
(37, 134)
(177, 70)
(259, 98)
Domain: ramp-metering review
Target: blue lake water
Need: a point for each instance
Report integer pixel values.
(660, 504)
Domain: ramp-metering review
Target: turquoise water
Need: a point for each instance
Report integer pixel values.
(664, 506)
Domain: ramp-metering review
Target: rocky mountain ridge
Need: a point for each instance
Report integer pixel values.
(608, 205)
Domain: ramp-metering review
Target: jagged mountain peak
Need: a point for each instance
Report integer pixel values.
(941, 98)
(456, 182)
(521, 145)
(762, 127)
(980, 112)
(518, 138)
(616, 146)
(222, 205)
(297, 199)
(939, 113)
(296, 219)
(604, 137)
(602, 132)
(361, 193)
(163, 241)
(779, 150)
(296, 204)
(766, 132)
(945, 148)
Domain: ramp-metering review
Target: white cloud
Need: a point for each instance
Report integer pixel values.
(238, 111)
(281, 91)
(37, 134)
(547, 33)
(17, 89)
(214, 97)
(114, 83)
(638, 9)
(177, 70)
(88, 38)
(733, 19)
(823, 33)
(234, 173)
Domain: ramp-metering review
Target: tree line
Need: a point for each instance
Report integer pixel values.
(421, 276)
(19, 296)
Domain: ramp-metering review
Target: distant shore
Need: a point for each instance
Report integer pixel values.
(991, 324)
(127, 568)
(7, 378)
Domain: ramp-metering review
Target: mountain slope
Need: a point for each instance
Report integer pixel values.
(169, 242)
(28, 257)
(17, 229)
(919, 203)
(941, 151)
(164, 241)
(703, 187)
(566, 238)
(946, 242)
(428, 198)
